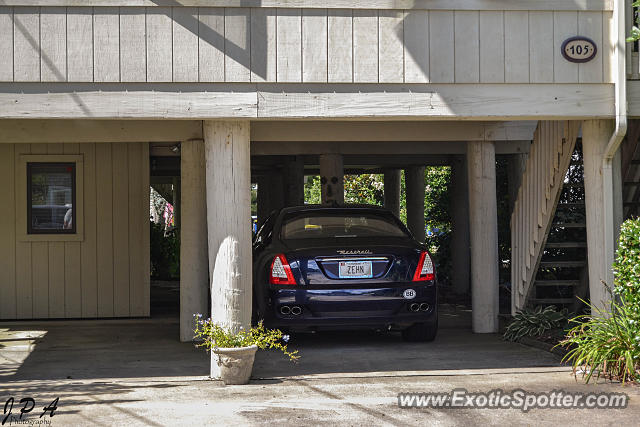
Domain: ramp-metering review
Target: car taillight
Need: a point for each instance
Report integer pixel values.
(424, 271)
(281, 271)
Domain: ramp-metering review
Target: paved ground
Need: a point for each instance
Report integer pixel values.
(135, 372)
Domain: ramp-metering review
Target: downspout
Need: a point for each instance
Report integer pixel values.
(620, 88)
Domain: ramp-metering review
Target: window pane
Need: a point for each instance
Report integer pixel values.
(52, 197)
(314, 226)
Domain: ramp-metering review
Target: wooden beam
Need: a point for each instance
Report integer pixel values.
(389, 147)
(436, 101)
(71, 131)
(298, 131)
(305, 101)
(342, 4)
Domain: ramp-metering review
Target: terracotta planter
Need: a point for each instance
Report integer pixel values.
(235, 364)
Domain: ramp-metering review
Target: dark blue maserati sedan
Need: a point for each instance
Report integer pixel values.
(318, 267)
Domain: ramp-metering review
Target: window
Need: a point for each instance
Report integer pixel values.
(51, 197)
(322, 226)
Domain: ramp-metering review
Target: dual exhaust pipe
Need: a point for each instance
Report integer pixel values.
(296, 310)
(415, 307)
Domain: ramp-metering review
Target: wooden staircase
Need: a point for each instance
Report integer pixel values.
(562, 272)
(534, 215)
(553, 241)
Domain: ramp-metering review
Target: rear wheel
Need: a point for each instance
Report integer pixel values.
(421, 332)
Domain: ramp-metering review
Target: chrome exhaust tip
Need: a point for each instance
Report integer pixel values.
(296, 311)
(414, 307)
(285, 309)
(424, 306)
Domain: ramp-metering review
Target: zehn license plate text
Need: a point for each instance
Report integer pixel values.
(355, 269)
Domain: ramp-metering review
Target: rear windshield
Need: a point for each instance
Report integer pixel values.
(322, 226)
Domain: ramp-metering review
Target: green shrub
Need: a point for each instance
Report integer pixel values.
(626, 268)
(534, 323)
(606, 343)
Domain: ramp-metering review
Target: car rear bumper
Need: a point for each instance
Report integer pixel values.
(351, 308)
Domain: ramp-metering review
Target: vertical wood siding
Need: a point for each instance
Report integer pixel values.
(104, 275)
(189, 44)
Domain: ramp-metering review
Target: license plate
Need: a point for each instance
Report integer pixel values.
(355, 270)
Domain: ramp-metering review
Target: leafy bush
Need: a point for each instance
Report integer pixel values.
(606, 343)
(214, 336)
(626, 268)
(533, 323)
(165, 252)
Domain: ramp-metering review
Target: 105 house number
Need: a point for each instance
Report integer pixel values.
(579, 49)
(26, 404)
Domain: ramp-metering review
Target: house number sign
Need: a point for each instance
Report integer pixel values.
(579, 49)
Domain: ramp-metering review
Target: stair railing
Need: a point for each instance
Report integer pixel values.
(534, 209)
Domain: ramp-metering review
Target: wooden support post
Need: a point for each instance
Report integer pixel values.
(414, 185)
(516, 167)
(483, 226)
(262, 201)
(595, 137)
(392, 190)
(276, 190)
(294, 181)
(194, 268)
(460, 226)
(332, 179)
(229, 227)
(176, 201)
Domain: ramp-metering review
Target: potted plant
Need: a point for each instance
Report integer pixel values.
(234, 352)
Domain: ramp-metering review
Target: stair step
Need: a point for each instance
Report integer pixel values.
(569, 224)
(635, 162)
(571, 205)
(566, 245)
(631, 203)
(541, 301)
(557, 282)
(563, 264)
(573, 185)
(632, 183)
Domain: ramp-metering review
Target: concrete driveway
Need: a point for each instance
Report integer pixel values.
(135, 372)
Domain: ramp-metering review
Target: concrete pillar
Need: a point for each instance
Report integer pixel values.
(414, 187)
(483, 227)
(194, 267)
(228, 169)
(460, 258)
(516, 166)
(294, 181)
(392, 190)
(595, 137)
(332, 179)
